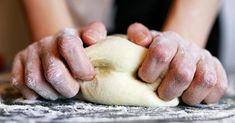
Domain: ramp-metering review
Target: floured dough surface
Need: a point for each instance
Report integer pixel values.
(116, 61)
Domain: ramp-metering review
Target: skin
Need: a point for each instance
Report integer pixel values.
(47, 17)
(191, 71)
(51, 66)
(41, 69)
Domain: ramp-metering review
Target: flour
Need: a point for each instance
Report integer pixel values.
(13, 109)
(69, 31)
(73, 110)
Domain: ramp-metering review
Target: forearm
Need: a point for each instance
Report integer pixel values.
(46, 17)
(192, 19)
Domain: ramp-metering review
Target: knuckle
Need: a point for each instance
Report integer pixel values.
(54, 75)
(33, 46)
(208, 80)
(62, 44)
(66, 44)
(67, 31)
(216, 60)
(31, 52)
(193, 46)
(173, 36)
(161, 53)
(15, 82)
(31, 81)
(223, 87)
(45, 41)
(19, 55)
(40, 43)
(194, 50)
(17, 59)
(171, 33)
(206, 53)
(222, 83)
(183, 74)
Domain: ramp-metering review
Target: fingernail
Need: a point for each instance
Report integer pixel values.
(92, 35)
(140, 36)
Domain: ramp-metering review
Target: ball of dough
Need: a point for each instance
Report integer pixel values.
(116, 61)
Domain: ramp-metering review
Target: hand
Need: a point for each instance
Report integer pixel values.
(189, 71)
(52, 66)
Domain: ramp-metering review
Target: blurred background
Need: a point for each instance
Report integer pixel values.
(14, 33)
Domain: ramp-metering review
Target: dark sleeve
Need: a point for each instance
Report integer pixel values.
(153, 13)
(213, 43)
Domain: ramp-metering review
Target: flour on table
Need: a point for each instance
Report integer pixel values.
(13, 108)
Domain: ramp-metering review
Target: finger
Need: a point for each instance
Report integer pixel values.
(68, 32)
(160, 53)
(221, 86)
(93, 32)
(180, 74)
(139, 34)
(55, 71)
(74, 55)
(155, 33)
(18, 78)
(33, 75)
(205, 79)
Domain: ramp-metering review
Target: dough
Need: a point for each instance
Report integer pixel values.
(116, 61)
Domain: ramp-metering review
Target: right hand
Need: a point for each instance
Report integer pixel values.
(52, 67)
(189, 70)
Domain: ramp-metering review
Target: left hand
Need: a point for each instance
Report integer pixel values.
(52, 67)
(189, 71)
